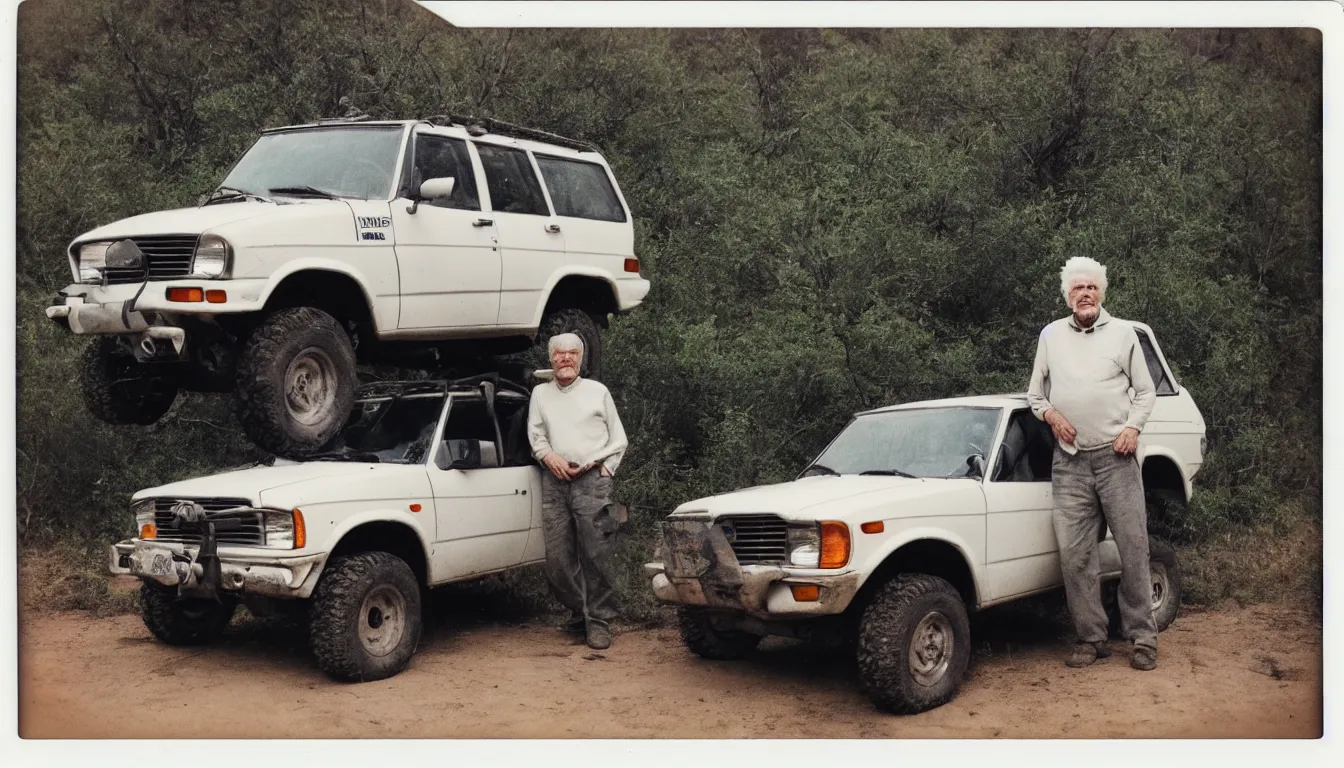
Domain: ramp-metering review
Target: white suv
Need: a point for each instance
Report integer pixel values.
(912, 516)
(434, 243)
(429, 482)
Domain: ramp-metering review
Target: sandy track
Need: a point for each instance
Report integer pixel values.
(1252, 672)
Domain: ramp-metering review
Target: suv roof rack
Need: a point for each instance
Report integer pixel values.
(479, 126)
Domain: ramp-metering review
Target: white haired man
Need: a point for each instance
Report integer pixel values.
(1086, 366)
(577, 436)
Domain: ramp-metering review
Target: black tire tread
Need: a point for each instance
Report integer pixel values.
(100, 397)
(261, 409)
(883, 673)
(709, 643)
(338, 596)
(158, 609)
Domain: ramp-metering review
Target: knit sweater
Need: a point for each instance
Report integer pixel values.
(1087, 373)
(579, 422)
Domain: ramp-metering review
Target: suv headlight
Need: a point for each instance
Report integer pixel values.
(90, 261)
(285, 530)
(818, 545)
(213, 257)
(143, 510)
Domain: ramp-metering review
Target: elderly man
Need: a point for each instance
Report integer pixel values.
(1087, 364)
(577, 436)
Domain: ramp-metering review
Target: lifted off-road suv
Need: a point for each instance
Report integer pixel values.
(435, 243)
(914, 515)
(429, 482)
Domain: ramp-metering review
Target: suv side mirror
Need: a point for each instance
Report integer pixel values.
(467, 454)
(440, 188)
(975, 465)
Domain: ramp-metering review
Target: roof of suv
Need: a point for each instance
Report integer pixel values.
(1010, 400)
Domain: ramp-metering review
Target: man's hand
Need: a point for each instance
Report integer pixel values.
(1064, 431)
(1127, 442)
(558, 466)
(602, 469)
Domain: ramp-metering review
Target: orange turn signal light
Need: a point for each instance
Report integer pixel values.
(834, 544)
(300, 530)
(216, 297)
(148, 531)
(805, 593)
(632, 265)
(873, 527)
(186, 294)
(415, 507)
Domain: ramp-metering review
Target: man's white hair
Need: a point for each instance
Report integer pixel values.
(565, 341)
(1081, 266)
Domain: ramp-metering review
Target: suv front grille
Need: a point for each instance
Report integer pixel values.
(252, 530)
(756, 539)
(169, 256)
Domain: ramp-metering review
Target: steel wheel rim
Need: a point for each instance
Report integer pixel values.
(310, 386)
(382, 621)
(931, 648)
(1161, 588)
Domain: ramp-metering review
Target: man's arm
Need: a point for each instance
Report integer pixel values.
(1145, 393)
(1040, 371)
(610, 454)
(536, 429)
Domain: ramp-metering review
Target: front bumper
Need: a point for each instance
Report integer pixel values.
(173, 565)
(701, 570)
(88, 310)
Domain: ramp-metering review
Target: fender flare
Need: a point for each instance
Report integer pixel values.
(344, 527)
(1146, 452)
(572, 271)
(310, 264)
(928, 530)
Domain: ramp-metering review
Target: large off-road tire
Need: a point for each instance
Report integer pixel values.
(709, 642)
(575, 321)
(296, 382)
(184, 621)
(364, 621)
(1164, 570)
(119, 389)
(914, 644)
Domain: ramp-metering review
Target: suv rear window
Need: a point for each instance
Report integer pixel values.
(512, 184)
(1161, 383)
(580, 190)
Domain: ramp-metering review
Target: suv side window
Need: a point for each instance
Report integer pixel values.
(1027, 453)
(438, 157)
(581, 190)
(469, 420)
(1161, 383)
(512, 184)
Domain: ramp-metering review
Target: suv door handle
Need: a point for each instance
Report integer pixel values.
(482, 222)
(553, 228)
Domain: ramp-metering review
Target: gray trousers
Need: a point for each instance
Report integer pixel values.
(1088, 488)
(579, 528)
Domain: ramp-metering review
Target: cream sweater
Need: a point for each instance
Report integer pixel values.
(579, 422)
(1087, 375)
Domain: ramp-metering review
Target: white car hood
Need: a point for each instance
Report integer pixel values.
(251, 483)
(802, 499)
(191, 221)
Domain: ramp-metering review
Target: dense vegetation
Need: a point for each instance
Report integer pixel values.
(832, 220)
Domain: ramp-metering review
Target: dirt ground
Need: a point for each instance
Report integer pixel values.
(482, 673)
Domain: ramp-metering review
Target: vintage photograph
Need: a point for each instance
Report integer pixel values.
(381, 377)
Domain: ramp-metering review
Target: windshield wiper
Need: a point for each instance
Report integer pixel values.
(346, 455)
(895, 472)
(824, 469)
(302, 189)
(229, 193)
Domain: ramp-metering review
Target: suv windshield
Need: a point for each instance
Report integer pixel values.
(343, 162)
(926, 442)
(391, 430)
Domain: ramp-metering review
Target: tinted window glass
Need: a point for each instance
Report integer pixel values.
(512, 184)
(1027, 452)
(579, 189)
(437, 157)
(1161, 383)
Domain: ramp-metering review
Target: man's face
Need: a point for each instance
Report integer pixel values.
(1085, 297)
(565, 363)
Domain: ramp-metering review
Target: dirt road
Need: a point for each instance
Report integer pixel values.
(1252, 672)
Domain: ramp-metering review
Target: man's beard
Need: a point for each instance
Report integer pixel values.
(1086, 316)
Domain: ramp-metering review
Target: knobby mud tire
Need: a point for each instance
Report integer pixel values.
(574, 321)
(120, 390)
(263, 368)
(336, 616)
(707, 642)
(885, 635)
(190, 621)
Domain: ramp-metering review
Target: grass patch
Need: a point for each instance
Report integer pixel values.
(66, 576)
(1272, 563)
